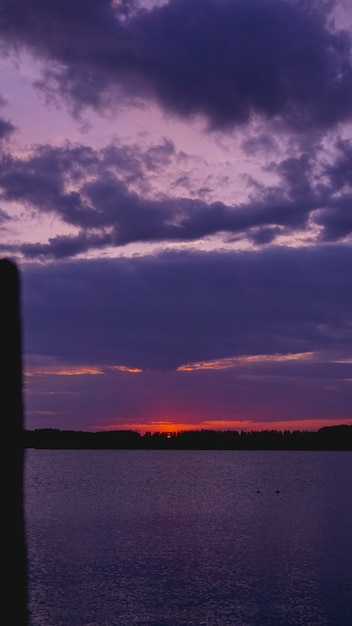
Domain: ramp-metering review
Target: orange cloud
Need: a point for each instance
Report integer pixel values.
(124, 368)
(79, 370)
(220, 364)
(63, 371)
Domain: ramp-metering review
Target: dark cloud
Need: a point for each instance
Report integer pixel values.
(158, 156)
(107, 211)
(6, 128)
(336, 220)
(340, 171)
(162, 311)
(4, 216)
(262, 236)
(227, 61)
(96, 191)
(262, 143)
(65, 246)
(322, 189)
(335, 217)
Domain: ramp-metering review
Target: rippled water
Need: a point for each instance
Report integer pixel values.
(212, 538)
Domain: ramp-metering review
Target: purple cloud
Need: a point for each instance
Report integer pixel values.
(6, 128)
(162, 311)
(95, 192)
(4, 217)
(227, 61)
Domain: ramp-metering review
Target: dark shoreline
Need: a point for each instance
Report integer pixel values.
(327, 438)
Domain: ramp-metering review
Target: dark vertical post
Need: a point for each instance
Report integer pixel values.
(14, 579)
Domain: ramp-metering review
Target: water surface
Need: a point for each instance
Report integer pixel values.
(215, 538)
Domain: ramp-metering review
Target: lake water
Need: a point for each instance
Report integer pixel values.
(181, 538)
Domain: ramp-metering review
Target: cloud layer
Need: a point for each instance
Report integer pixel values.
(163, 311)
(93, 192)
(227, 61)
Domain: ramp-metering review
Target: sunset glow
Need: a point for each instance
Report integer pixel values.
(220, 364)
(64, 371)
(247, 425)
(124, 368)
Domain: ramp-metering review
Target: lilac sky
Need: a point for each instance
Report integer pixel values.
(176, 189)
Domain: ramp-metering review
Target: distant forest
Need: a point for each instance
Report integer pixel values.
(327, 438)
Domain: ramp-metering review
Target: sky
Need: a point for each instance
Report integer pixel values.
(176, 190)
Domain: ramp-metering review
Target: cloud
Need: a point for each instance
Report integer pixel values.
(335, 217)
(4, 216)
(6, 128)
(164, 311)
(63, 246)
(105, 197)
(322, 187)
(87, 191)
(227, 61)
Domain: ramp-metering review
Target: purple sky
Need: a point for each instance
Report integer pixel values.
(176, 188)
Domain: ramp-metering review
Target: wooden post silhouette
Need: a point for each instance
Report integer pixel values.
(14, 570)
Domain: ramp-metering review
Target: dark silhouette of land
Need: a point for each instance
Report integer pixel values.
(327, 438)
(14, 581)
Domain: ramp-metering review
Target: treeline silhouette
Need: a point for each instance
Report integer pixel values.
(327, 438)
